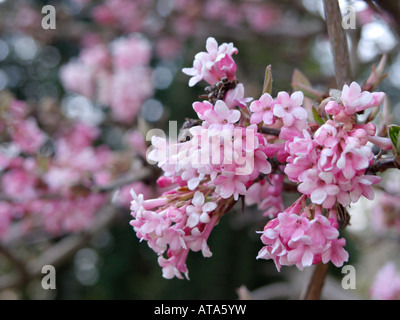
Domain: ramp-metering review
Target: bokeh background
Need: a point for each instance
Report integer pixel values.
(286, 34)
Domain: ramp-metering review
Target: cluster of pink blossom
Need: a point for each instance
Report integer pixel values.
(21, 128)
(112, 75)
(182, 17)
(220, 161)
(386, 284)
(179, 221)
(224, 151)
(302, 235)
(328, 161)
(326, 155)
(44, 191)
(48, 183)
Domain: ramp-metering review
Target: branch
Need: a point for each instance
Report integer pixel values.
(338, 40)
(317, 282)
(382, 165)
(131, 177)
(271, 131)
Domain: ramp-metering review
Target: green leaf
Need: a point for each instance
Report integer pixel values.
(394, 131)
(316, 116)
(267, 87)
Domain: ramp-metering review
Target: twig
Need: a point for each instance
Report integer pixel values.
(338, 40)
(271, 131)
(143, 174)
(317, 282)
(382, 165)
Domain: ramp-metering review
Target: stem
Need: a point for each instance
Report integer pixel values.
(271, 131)
(317, 282)
(338, 40)
(382, 165)
(340, 52)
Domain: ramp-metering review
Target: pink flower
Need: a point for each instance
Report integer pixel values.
(27, 135)
(289, 108)
(78, 77)
(354, 158)
(199, 211)
(294, 238)
(335, 252)
(96, 56)
(354, 100)
(321, 230)
(214, 64)
(229, 184)
(321, 188)
(19, 184)
(326, 135)
(235, 97)
(293, 226)
(126, 103)
(220, 117)
(302, 251)
(262, 110)
(132, 51)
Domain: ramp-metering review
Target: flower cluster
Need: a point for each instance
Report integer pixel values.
(302, 237)
(108, 74)
(179, 221)
(223, 152)
(237, 150)
(48, 183)
(328, 162)
(221, 159)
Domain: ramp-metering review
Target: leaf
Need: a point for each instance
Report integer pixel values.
(267, 87)
(301, 83)
(394, 131)
(299, 78)
(316, 116)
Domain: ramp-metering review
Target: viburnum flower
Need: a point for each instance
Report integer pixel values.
(198, 210)
(263, 110)
(214, 64)
(220, 117)
(354, 158)
(289, 108)
(295, 238)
